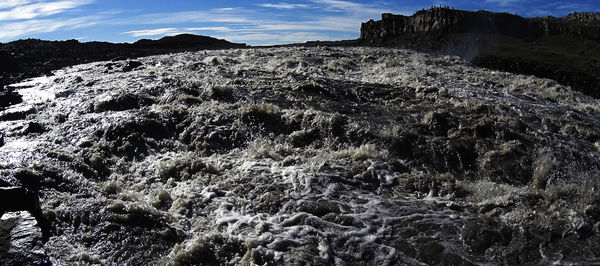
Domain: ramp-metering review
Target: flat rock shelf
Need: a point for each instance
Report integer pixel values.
(294, 156)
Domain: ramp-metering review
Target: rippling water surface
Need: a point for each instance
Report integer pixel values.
(345, 156)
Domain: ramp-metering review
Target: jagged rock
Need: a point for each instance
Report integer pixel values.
(131, 65)
(20, 241)
(446, 20)
(593, 212)
(14, 199)
(8, 98)
(33, 128)
(123, 102)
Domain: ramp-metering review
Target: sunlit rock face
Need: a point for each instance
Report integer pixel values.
(305, 155)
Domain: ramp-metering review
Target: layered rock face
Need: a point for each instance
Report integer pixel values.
(445, 20)
(566, 49)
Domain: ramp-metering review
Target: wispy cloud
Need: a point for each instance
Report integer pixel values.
(152, 32)
(283, 6)
(22, 10)
(270, 22)
(210, 29)
(13, 3)
(219, 16)
(28, 27)
(253, 22)
(350, 7)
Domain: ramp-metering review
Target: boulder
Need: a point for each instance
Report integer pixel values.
(131, 65)
(8, 98)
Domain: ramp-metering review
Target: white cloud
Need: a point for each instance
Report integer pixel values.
(22, 10)
(152, 32)
(283, 6)
(13, 3)
(304, 36)
(341, 24)
(217, 16)
(209, 29)
(23, 28)
(250, 37)
(275, 22)
(350, 7)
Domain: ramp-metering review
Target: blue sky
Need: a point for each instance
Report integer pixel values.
(248, 21)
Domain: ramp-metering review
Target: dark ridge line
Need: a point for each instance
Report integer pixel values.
(29, 58)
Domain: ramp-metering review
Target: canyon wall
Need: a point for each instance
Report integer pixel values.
(446, 20)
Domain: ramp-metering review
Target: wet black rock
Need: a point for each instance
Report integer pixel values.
(222, 93)
(131, 65)
(20, 241)
(33, 128)
(29, 178)
(8, 98)
(313, 89)
(593, 212)
(123, 102)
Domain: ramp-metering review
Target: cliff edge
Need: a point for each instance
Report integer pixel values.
(566, 49)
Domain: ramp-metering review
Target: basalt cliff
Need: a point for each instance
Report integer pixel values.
(565, 49)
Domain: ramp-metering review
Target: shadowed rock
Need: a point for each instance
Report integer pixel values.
(14, 199)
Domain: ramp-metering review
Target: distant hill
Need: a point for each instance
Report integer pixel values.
(32, 57)
(566, 49)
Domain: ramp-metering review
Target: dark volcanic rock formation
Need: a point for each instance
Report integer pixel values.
(445, 20)
(566, 49)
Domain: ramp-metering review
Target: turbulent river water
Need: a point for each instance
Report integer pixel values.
(302, 156)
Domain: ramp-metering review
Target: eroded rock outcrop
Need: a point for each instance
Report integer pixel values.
(564, 49)
(446, 20)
